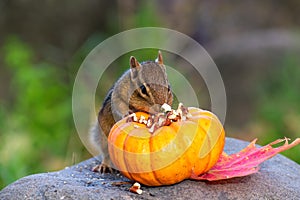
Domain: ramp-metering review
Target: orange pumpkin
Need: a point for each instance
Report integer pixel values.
(171, 153)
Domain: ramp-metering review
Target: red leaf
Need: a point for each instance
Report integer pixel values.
(244, 162)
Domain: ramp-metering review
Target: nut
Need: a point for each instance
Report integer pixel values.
(166, 107)
(136, 188)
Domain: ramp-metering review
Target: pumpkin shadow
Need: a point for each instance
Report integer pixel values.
(235, 180)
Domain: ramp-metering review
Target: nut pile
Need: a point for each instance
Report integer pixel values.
(164, 118)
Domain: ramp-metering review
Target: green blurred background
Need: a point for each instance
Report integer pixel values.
(255, 45)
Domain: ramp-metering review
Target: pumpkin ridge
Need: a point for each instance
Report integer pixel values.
(221, 130)
(217, 141)
(151, 157)
(209, 154)
(209, 143)
(125, 163)
(207, 157)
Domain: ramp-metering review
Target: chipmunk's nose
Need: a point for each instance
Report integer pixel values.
(154, 109)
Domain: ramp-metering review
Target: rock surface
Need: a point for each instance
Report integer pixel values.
(278, 178)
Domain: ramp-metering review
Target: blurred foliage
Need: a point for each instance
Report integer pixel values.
(279, 110)
(37, 123)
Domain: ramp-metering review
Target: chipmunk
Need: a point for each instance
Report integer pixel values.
(144, 87)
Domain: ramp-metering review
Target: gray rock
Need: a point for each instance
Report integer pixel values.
(278, 178)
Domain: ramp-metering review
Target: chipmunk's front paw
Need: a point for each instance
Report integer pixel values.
(103, 168)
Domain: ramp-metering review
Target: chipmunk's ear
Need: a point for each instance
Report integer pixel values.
(134, 66)
(134, 63)
(159, 58)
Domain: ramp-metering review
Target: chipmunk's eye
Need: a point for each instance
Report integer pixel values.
(169, 88)
(143, 89)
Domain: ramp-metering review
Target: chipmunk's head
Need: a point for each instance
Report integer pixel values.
(150, 85)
